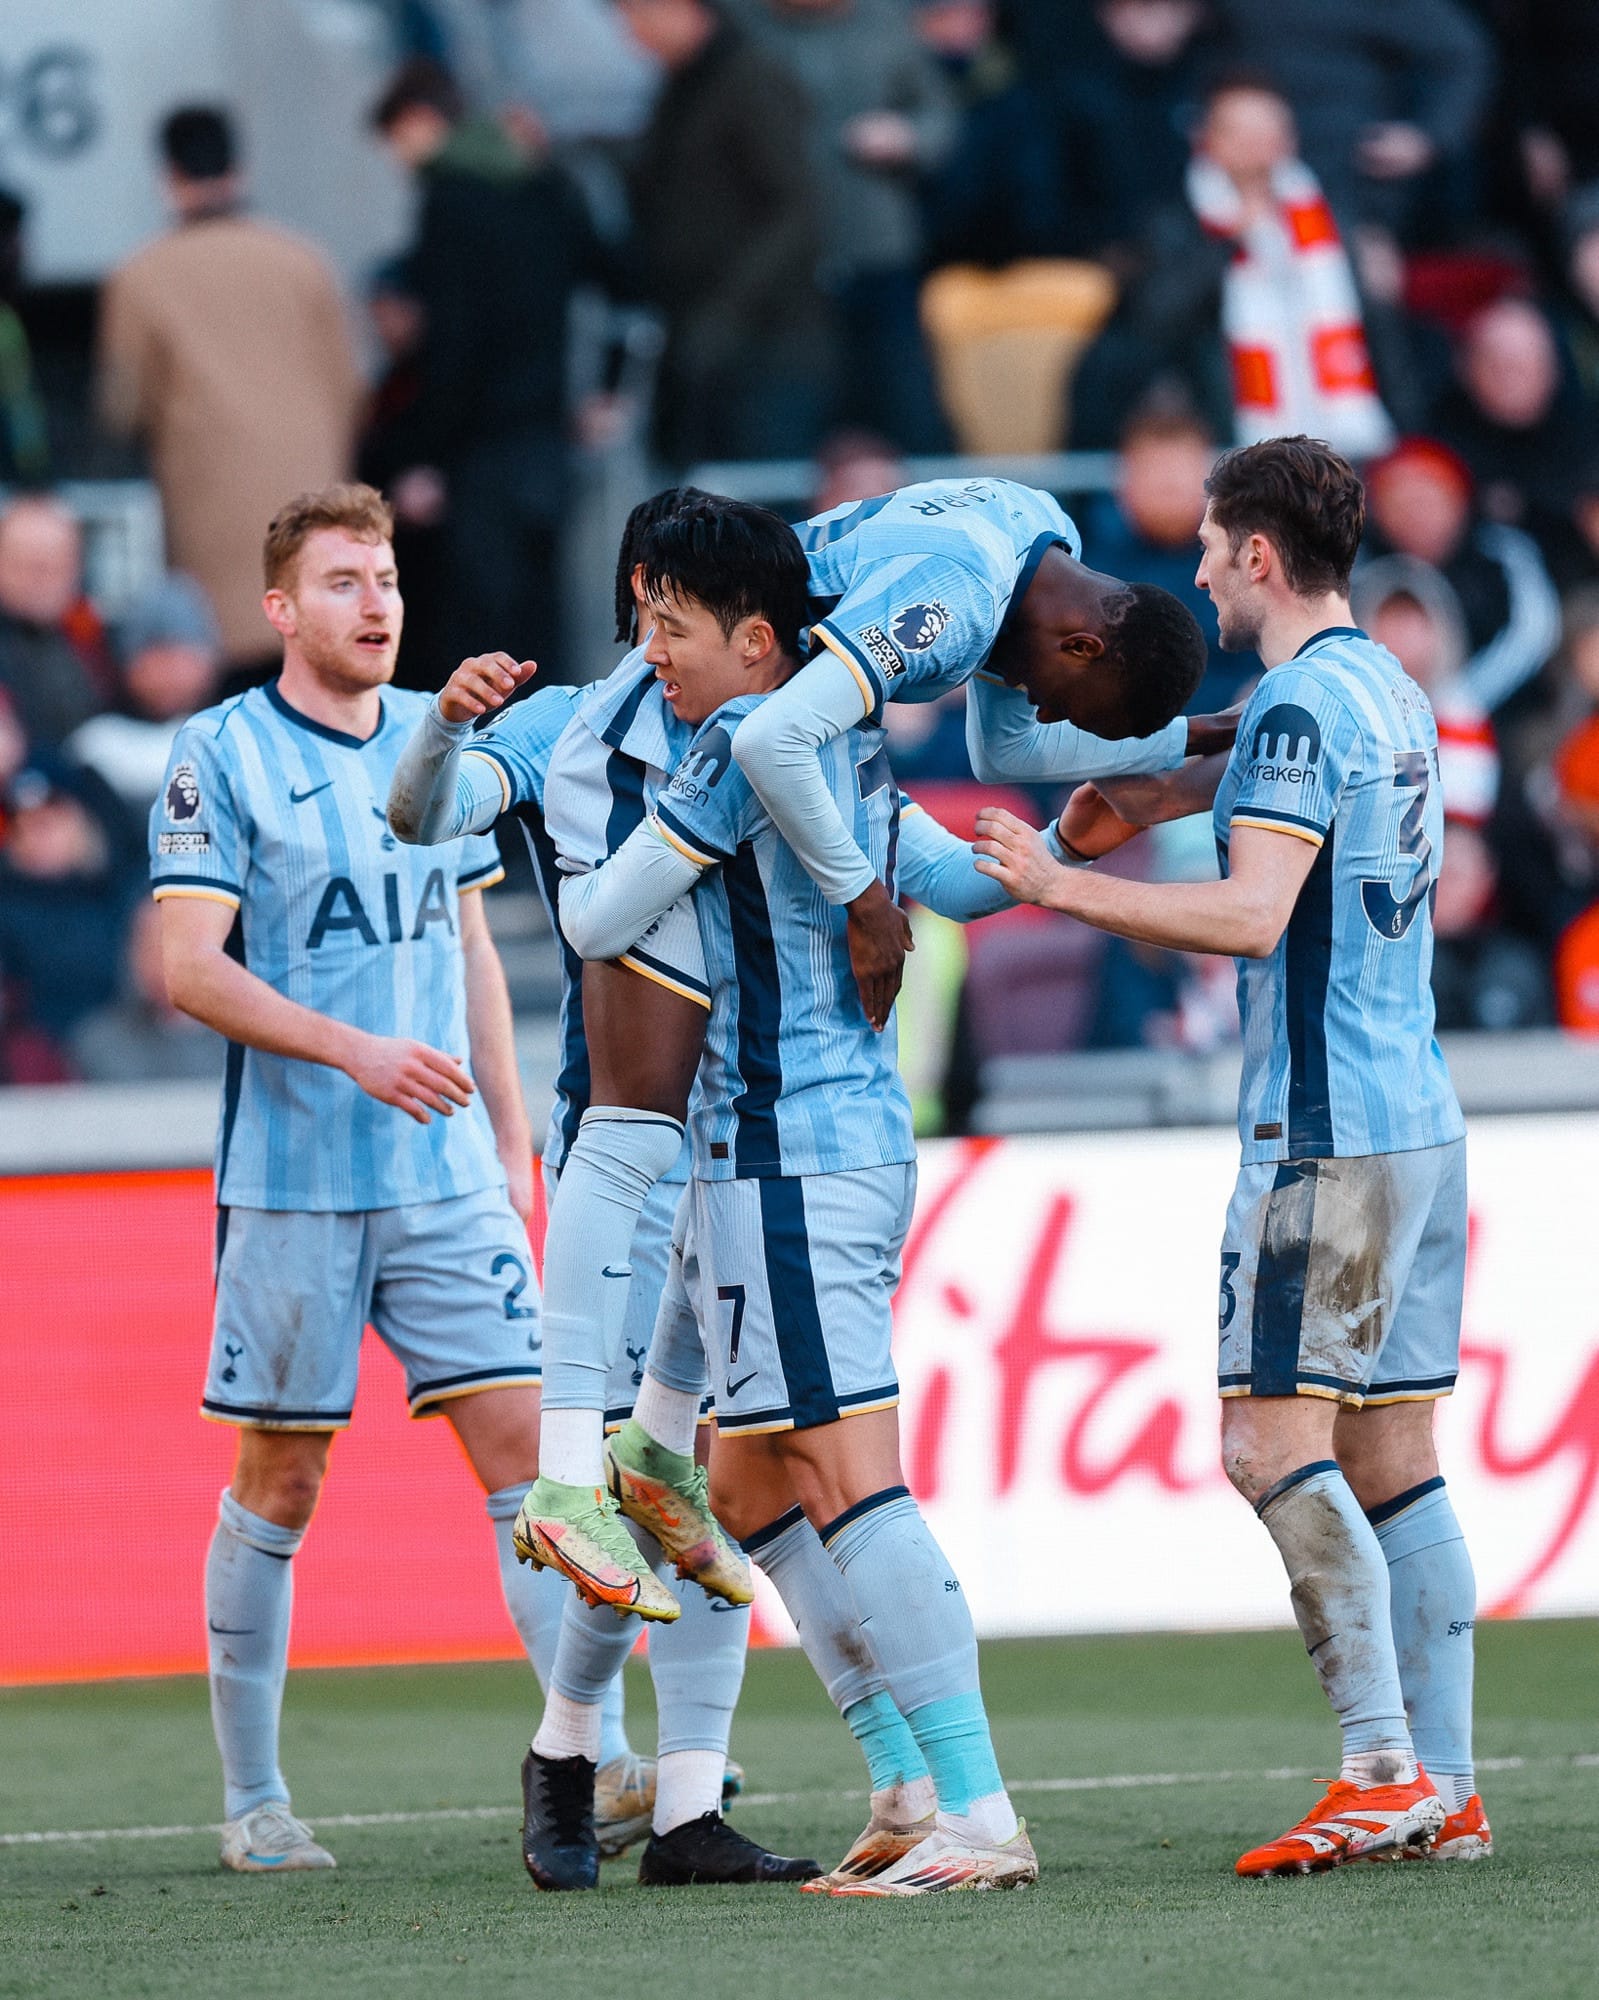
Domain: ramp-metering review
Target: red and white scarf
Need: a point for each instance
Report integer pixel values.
(1291, 315)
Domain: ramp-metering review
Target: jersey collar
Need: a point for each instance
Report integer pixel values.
(341, 736)
(1331, 632)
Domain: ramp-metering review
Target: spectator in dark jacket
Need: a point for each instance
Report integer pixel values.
(503, 240)
(1516, 418)
(727, 236)
(51, 647)
(1387, 92)
(996, 197)
(1123, 107)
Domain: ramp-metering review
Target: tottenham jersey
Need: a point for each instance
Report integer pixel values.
(794, 1078)
(1338, 747)
(579, 768)
(282, 819)
(911, 589)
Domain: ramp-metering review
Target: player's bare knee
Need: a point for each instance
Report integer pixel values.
(1385, 1449)
(279, 1474)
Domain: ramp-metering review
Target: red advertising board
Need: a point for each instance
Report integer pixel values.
(1056, 1346)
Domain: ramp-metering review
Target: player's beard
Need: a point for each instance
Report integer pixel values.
(1236, 630)
(344, 665)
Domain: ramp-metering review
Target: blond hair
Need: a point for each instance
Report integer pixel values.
(359, 510)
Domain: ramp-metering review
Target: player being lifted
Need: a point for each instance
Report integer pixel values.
(374, 1159)
(997, 566)
(583, 764)
(1343, 1259)
(804, 1175)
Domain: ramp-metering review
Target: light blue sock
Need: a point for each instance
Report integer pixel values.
(817, 1598)
(893, 1757)
(618, 1156)
(1339, 1585)
(913, 1613)
(1433, 1596)
(249, 1591)
(697, 1665)
(538, 1600)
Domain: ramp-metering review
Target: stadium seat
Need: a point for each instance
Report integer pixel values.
(1005, 344)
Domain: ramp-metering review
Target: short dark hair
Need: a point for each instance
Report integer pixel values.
(1154, 646)
(738, 560)
(643, 517)
(423, 83)
(1303, 497)
(198, 142)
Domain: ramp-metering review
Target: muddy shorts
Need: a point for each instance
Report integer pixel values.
(447, 1286)
(1344, 1278)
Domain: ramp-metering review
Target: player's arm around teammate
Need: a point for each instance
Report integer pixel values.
(1344, 1254)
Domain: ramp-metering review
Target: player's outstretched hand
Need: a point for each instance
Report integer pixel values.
(485, 682)
(879, 938)
(409, 1075)
(1014, 854)
(1091, 826)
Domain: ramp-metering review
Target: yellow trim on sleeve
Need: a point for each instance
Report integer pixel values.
(164, 889)
(498, 769)
(482, 882)
(1277, 826)
(841, 651)
(688, 853)
(660, 979)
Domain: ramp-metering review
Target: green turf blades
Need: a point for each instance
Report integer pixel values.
(441, 1904)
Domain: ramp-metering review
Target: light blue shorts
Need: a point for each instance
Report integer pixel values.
(448, 1286)
(796, 1282)
(1345, 1278)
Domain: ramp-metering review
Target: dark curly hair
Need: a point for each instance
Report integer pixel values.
(1306, 501)
(643, 517)
(738, 560)
(1155, 648)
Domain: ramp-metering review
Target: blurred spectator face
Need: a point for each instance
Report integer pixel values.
(1510, 365)
(51, 835)
(397, 320)
(671, 30)
(1466, 881)
(168, 681)
(855, 465)
(416, 134)
(1407, 628)
(13, 744)
(1583, 268)
(1150, 31)
(342, 609)
(41, 561)
(1582, 659)
(1248, 133)
(1420, 504)
(955, 28)
(1162, 484)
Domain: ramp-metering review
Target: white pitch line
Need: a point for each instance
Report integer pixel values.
(1115, 1782)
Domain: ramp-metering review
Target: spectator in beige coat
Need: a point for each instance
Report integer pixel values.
(224, 345)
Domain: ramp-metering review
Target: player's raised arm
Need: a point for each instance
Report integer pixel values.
(938, 869)
(435, 794)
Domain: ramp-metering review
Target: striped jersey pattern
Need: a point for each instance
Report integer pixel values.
(282, 820)
(910, 589)
(794, 1080)
(1338, 747)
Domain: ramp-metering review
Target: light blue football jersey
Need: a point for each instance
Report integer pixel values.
(580, 768)
(1338, 746)
(283, 819)
(794, 1078)
(910, 589)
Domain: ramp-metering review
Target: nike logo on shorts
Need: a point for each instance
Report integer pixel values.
(743, 1382)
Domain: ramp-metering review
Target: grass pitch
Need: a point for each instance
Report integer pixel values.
(1137, 1897)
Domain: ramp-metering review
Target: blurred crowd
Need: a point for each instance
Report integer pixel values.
(861, 231)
